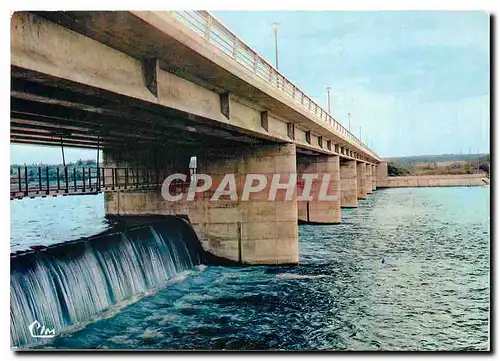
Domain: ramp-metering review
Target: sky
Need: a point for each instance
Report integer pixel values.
(416, 83)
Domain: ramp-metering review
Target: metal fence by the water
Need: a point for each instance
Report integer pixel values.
(53, 181)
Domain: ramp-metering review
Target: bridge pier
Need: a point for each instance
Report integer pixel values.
(317, 210)
(252, 231)
(382, 177)
(374, 177)
(348, 183)
(369, 182)
(361, 177)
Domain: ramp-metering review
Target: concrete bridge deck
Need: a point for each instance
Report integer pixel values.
(117, 77)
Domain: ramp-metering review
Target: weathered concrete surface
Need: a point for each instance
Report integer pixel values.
(348, 184)
(361, 178)
(445, 180)
(369, 182)
(314, 210)
(374, 177)
(257, 231)
(382, 174)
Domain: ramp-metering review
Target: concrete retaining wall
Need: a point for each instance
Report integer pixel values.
(449, 180)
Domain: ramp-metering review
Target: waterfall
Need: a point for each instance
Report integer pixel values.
(65, 284)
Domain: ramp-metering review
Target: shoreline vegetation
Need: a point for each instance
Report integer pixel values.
(446, 164)
(33, 169)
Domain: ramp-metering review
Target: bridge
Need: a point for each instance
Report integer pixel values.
(152, 89)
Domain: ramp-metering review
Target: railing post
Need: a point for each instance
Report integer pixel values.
(74, 178)
(103, 179)
(19, 178)
(137, 179)
(255, 62)
(47, 179)
(90, 179)
(26, 180)
(58, 180)
(83, 180)
(98, 180)
(39, 179)
(208, 27)
(235, 48)
(113, 178)
(126, 177)
(66, 178)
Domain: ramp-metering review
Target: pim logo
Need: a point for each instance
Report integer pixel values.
(39, 331)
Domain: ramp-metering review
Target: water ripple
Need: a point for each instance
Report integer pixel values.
(430, 293)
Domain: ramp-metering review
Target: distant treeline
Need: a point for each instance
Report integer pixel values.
(33, 170)
(438, 158)
(439, 164)
(79, 163)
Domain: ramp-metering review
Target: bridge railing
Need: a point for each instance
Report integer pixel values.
(33, 181)
(207, 26)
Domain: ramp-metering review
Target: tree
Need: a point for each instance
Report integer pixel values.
(485, 167)
(394, 169)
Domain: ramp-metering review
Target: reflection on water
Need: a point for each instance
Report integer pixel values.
(407, 270)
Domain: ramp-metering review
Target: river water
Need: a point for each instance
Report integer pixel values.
(407, 270)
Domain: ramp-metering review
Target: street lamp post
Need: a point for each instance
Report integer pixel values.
(275, 26)
(349, 116)
(328, 96)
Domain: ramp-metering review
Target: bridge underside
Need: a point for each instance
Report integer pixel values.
(49, 111)
(45, 110)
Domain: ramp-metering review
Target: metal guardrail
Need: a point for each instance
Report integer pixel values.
(35, 181)
(207, 26)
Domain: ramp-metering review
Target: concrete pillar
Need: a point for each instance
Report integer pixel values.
(369, 185)
(317, 210)
(255, 231)
(361, 177)
(374, 177)
(382, 180)
(348, 184)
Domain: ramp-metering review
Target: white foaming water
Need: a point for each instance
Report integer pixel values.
(297, 276)
(66, 287)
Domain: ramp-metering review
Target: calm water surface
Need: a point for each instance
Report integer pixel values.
(55, 219)
(407, 270)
